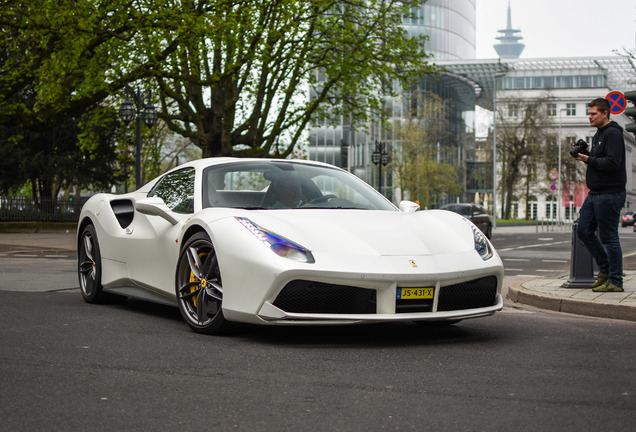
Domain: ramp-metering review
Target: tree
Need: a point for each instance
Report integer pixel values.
(233, 74)
(525, 134)
(59, 62)
(238, 84)
(420, 173)
(51, 160)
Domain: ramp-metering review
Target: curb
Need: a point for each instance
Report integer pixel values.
(518, 294)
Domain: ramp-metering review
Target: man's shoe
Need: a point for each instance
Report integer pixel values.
(608, 287)
(600, 280)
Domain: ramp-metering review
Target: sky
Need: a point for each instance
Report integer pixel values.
(558, 28)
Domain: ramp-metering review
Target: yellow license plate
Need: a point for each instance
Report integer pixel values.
(415, 293)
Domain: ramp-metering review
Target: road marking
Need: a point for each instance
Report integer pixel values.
(516, 259)
(533, 246)
(555, 261)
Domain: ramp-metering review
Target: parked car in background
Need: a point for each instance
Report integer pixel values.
(628, 219)
(474, 213)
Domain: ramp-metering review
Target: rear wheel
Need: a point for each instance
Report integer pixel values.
(89, 269)
(89, 266)
(199, 288)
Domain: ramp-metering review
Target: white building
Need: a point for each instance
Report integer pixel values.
(568, 85)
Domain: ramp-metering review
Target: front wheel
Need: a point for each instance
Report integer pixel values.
(199, 288)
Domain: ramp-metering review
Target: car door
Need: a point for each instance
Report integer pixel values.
(152, 249)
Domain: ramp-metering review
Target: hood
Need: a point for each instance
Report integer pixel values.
(370, 232)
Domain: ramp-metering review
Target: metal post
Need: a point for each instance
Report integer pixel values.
(138, 148)
(494, 148)
(582, 265)
(130, 110)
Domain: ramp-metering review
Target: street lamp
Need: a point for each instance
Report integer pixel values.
(380, 158)
(130, 110)
(559, 192)
(494, 148)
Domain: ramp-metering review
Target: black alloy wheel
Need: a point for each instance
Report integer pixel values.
(89, 266)
(199, 288)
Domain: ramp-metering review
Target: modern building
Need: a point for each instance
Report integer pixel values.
(450, 26)
(567, 85)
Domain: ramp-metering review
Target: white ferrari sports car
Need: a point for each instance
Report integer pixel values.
(281, 242)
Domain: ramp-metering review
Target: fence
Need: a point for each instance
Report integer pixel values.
(24, 209)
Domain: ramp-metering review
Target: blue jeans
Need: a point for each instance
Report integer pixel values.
(602, 212)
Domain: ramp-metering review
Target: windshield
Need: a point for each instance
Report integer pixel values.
(285, 185)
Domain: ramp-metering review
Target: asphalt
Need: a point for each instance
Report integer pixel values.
(541, 292)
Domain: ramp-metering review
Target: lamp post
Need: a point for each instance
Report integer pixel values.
(559, 192)
(130, 110)
(494, 148)
(380, 157)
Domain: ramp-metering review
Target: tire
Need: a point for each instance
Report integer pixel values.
(89, 266)
(198, 286)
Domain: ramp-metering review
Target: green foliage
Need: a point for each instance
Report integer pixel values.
(419, 173)
(237, 83)
(233, 75)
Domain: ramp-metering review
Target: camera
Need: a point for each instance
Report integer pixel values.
(578, 147)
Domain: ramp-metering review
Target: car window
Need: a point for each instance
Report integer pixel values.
(176, 189)
(461, 209)
(285, 185)
(478, 209)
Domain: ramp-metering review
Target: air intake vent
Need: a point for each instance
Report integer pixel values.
(474, 294)
(302, 296)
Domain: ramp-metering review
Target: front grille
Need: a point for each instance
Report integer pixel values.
(301, 296)
(473, 294)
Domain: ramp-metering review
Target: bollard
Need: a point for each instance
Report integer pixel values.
(582, 265)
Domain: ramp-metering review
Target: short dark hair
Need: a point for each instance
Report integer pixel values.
(602, 105)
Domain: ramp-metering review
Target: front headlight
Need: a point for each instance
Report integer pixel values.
(482, 245)
(278, 244)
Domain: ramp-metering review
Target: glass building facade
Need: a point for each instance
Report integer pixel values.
(450, 27)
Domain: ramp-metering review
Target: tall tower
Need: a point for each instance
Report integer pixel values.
(509, 46)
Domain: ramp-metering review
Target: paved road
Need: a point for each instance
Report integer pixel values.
(66, 365)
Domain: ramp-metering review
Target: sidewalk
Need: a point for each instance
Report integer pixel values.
(549, 294)
(544, 293)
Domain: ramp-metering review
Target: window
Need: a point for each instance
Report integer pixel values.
(513, 110)
(177, 190)
(570, 109)
(552, 112)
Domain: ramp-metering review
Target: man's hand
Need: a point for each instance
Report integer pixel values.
(582, 157)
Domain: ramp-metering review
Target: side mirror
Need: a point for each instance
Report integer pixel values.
(409, 206)
(154, 206)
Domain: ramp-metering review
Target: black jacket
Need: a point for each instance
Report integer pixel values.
(606, 163)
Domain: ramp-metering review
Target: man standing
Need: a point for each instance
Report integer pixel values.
(606, 179)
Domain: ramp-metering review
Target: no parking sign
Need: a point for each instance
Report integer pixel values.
(617, 102)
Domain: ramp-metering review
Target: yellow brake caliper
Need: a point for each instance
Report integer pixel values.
(193, 278)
